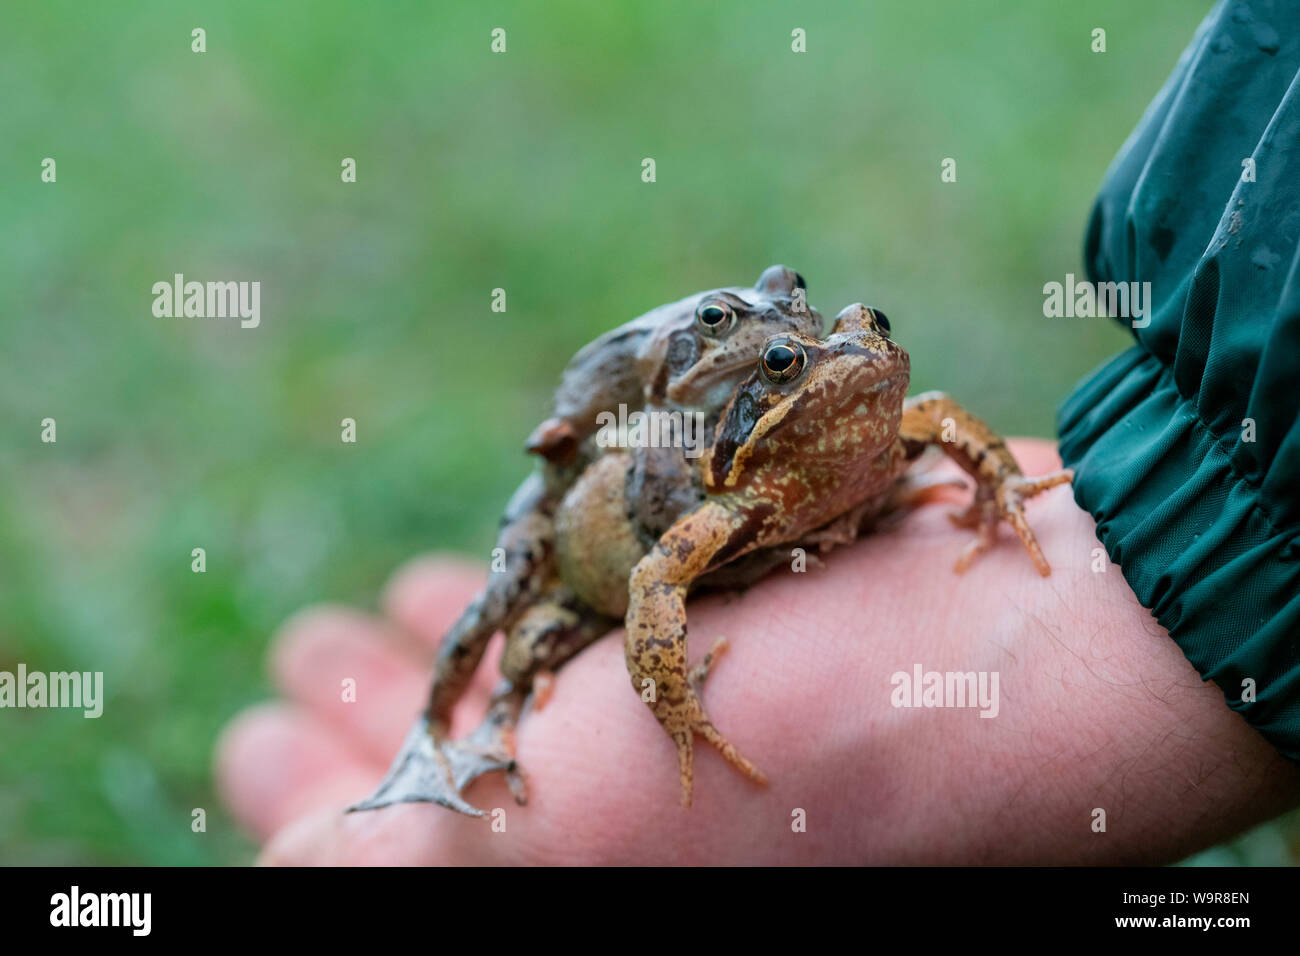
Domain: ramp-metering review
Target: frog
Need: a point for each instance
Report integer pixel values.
(684, 356)
(610, 569)
(813, 442)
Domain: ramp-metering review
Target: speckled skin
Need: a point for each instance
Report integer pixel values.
(808, 456)
(666, 358)
(789, 457)
(669, 358)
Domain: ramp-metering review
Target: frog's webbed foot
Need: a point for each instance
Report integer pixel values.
(1005, 502)
(704, 727)
(683, 720)
(682, 716)
(490, 749)
(420, 773)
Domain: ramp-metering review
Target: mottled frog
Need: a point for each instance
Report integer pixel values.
(812, 445)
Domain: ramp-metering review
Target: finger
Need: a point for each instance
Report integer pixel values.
(348, 669)
(596, 759)
(273, 763)
(401, 835)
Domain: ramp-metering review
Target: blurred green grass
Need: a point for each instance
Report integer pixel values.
(474, 171)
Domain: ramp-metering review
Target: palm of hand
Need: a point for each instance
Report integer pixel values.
(1094, 698)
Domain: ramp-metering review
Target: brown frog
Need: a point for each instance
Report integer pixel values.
(688, 354)
(812, 447)
(687, 357)
(813, 443)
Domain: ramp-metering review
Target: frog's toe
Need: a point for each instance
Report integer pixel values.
(685, 739)
(418, 775)
(1011, 501)
(985, 536)
(700, 672)
(470, 763)
(683, 721)
(489, 749)
(1006, 504)
(1033, 486)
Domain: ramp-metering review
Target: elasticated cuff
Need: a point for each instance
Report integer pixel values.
(1191, 536)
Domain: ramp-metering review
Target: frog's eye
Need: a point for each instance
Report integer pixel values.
(715, 317)
(882, 321)
(783, 360)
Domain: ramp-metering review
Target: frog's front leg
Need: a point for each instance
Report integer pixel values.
(655, 642)
(1001, 489)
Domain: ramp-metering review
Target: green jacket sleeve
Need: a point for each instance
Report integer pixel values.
(1187, 446)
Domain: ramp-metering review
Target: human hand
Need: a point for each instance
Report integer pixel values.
(1098, 708)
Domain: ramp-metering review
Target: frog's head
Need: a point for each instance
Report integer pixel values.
(695, 359)
(813, 408)
(689, 353)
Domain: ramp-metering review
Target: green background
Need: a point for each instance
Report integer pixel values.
(475, 171)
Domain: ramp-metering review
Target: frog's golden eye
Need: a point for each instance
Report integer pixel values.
(714, 317)
(882, 321)
(783, 360)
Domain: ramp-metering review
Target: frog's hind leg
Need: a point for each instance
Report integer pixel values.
(526, 548)
(1001, 489)
(421, 772)
(433, 770)
(491, 746)
(546, 636)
